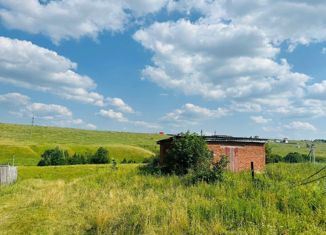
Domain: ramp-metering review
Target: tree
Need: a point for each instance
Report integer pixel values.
(295, 157)
(54, 157)
(100, 157)
(268, 151)
(186, 151)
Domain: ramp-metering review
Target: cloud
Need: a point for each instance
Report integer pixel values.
(191, 114)
(217, 61)
(280, 20)
(74, 19)
(119, 117)
(113, 115)
(14, 99)
(297, 125)
(120, 105)
(49, 114)
(260, 119)
(27, 65)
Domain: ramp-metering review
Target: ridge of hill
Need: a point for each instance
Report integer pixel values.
(27, 143)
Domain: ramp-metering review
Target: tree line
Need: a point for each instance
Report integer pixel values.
(56, 156)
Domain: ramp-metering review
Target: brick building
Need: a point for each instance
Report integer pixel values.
(240, 151)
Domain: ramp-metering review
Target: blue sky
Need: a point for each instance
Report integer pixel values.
(241, 68)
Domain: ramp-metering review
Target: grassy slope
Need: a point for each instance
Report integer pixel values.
(95, 199)
(298, 146)
(27, 143)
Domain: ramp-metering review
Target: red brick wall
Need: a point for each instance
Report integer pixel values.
(240, 156)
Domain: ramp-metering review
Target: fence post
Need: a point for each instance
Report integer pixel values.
(252, 171)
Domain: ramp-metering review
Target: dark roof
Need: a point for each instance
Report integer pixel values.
(222, 138)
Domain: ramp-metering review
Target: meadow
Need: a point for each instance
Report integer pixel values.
(27, 143)
(299, 146)
(96, 199)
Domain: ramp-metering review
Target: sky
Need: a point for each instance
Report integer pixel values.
(241, 68)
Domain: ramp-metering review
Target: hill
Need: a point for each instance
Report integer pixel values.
(299, 146)
(27, 143)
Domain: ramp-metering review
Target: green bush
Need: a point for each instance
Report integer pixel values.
(186, 152)
(56, 156)
(208, 172)
(77, 159)
(100, 157)
(53, 157)
(152, 167)
(295, 157)
(274, 158)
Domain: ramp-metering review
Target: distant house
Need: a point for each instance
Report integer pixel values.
(285, 141)
(241, 151)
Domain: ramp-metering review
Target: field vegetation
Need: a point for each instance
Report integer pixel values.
(27, 143)
(300, 146)
(96, 199)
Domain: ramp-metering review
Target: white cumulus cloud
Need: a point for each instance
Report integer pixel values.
(46, 114)
(27, 65)
(298, 125)
(191, 114)
(260, 119)
(110, 113)
(67, 19)
(120, 105)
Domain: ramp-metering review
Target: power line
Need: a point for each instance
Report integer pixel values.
(311, 181)
(304, 181)
(323, 168)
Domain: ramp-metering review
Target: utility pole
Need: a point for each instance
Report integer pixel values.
(313, 148)
(312, 151)
(33, 120)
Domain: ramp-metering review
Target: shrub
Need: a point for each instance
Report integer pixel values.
(295, 157)
(273, 158)
(77, 159)
(100, 157)
(208, 172)
(59, 157)
(152, 167)
(53, 157)
(268, 151)
(186, 152)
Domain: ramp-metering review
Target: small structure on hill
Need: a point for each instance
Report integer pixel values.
(241, 151)
(285, 141)
(8, 174)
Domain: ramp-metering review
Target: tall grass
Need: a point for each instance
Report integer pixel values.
(100, 200)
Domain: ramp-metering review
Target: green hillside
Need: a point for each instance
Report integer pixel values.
(299, 146)
(27, 143)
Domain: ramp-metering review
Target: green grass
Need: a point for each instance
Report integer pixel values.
(94, 199)
(300, 147)
(27, 143)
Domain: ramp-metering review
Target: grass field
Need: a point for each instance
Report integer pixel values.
(93, 199)
(27, 143)
(299, 146)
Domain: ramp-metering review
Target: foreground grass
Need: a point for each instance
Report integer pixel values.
(98, 200)
(27, 143)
